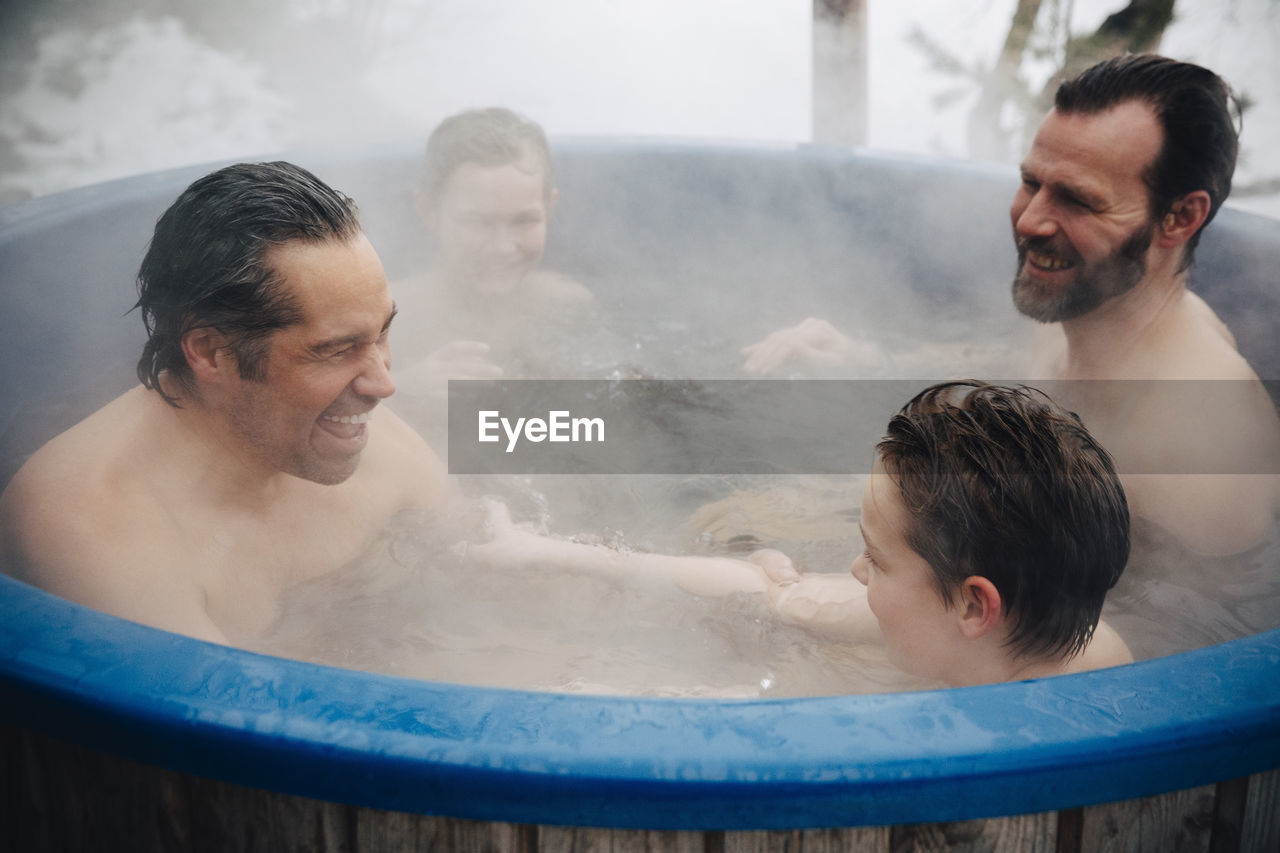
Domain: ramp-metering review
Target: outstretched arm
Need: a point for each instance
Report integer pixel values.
(833, 604)
(513, 545)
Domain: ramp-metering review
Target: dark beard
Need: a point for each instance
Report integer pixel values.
(1093, 285)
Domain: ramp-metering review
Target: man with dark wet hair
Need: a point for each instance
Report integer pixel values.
(254, 455)
(206, 264)
(994, 525)
(1125, 172)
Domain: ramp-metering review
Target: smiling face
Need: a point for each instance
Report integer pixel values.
(921, 633)
(491, 223)
(1081, 217)
(308, 416)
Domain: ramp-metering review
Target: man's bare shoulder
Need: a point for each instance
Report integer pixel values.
(73, 468)
(79, 520)
(399, 468)
(77, 489)
(1196, 344)
(1107, 648)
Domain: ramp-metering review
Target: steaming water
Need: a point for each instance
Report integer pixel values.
(419, 611)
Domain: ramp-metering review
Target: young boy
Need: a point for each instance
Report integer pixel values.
(486, 306)
(994, 526)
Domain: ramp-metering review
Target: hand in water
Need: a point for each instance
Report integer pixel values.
(777, 566)
(811, 346)
(832, 603)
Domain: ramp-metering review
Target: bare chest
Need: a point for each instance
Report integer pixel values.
(245, 567)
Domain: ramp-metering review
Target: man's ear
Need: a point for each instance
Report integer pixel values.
(207, 354)
(1184, 219)
(980, 610)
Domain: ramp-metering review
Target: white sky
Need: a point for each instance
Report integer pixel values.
(733, 69)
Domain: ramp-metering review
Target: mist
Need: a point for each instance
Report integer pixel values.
(125, 87)
(92, 92)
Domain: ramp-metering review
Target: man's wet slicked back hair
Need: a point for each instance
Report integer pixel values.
(207, 263)
(1194, 107)
(1002, 483)
(493, 136)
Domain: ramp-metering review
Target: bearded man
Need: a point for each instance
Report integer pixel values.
(1125, 172)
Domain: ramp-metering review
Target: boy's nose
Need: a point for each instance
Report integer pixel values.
(859, 570)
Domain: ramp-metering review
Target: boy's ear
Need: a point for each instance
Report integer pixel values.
(980, 609)
(207, 354)
(1184, 218)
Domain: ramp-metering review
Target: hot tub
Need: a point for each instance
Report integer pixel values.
(117, 735)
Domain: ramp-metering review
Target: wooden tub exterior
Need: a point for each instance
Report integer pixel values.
(57, 796)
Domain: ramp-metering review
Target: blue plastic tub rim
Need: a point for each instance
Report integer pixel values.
(518, 756)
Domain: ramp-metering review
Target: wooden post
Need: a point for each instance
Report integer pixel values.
(840, 72)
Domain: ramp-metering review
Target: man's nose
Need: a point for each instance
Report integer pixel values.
(375, 379)
(1033, 215)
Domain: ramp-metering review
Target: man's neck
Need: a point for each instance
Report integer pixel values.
(1103, 342)
(229, 473)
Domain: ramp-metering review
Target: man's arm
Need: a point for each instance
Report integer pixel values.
(53, 542)
(512, 545)
(1213, 481)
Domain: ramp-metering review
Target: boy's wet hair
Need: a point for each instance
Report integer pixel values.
(206, 266)
(1003, 483)
(493, 136)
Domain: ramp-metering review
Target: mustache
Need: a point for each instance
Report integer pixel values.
(1054, 247)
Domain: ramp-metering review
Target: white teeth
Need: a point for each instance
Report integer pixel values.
(1047, 262)
(362, 418)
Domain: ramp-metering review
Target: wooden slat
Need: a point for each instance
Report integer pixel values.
(874, 839)
(381, 830)
(1261, 830)
(55, 795)
(1178, 822)
(572, 839)
(1036, 833)
(1228, 815)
